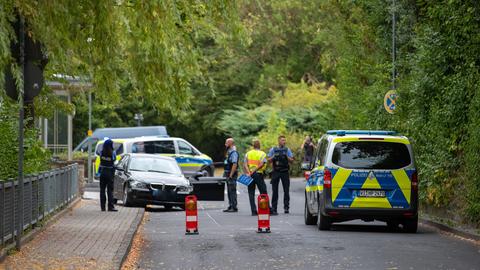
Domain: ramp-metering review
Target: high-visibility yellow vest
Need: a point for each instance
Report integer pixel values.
(254, 158)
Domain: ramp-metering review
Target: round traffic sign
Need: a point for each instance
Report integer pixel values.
(390, 101)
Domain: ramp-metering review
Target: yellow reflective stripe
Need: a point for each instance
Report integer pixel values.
(371, 184)
(190, 164)
(97, 163)
(355, 139)
(314, 188)
(371, 202)
(403, 182)
(338, 181)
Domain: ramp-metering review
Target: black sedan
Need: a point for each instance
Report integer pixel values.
(142, 179)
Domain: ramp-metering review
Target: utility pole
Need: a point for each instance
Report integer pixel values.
(89, 166)
(394, 51)
(21, 41)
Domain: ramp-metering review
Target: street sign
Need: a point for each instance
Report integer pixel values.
(89, 133)
(390, 101)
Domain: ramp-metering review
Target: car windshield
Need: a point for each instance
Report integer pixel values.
(153, 164)
(371, 155)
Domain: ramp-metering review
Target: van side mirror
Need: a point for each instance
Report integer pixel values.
(306, 166)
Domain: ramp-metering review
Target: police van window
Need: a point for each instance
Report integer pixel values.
(322, 152)
(318, 154)
(371, 155)
(313, 163)
(154, 147)
(185, 149)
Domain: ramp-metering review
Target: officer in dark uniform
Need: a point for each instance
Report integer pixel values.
(231, 173)
(280, 157)
(107, 171)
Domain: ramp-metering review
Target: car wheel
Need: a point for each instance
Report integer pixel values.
(115, 201)
(411, 225)
(182, 206)
(126, 196)
(323, 222)
(309, 218)
(168, 207)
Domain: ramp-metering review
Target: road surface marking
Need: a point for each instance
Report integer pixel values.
(208, 214)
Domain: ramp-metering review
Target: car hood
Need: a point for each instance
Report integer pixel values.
(153, 177)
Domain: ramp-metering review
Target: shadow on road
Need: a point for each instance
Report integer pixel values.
(372, 228)
(158, 209)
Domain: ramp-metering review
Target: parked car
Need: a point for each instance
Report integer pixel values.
(142, 179)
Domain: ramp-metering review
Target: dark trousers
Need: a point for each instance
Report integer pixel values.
(106, 182)
(260, 183)
(276, 178)
(232, 192)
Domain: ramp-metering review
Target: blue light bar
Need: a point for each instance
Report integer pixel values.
(361, 132)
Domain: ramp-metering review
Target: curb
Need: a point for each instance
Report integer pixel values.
(38, 229)
(126, 244)
(445, 228)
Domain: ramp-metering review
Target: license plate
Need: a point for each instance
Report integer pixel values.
(371, 193)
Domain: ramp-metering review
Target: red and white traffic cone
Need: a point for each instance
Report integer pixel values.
(263, 213)
(191, 213)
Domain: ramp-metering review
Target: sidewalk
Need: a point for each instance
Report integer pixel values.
(83, 238)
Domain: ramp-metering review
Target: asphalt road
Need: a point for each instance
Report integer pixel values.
(230, 241)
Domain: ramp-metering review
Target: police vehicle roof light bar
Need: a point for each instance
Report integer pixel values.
(361, 132)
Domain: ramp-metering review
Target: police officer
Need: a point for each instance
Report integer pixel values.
(231, 173)
(280, 157)
(308, 148)
(254, 165)
(107, 171)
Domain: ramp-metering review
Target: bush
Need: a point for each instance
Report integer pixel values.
(36, 157)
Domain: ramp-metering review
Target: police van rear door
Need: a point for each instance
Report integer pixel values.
(371, 173)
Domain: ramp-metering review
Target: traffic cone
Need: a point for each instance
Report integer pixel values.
(263, 213)
(191, 215)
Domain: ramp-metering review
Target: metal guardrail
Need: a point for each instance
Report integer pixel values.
(43, 193)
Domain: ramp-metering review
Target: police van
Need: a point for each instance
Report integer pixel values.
(367, 175)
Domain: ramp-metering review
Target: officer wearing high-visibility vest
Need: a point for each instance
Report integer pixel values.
(254, 165)
(280, 157)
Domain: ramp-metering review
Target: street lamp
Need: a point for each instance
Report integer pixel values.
(139, 118)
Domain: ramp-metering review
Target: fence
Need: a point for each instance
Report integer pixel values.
(43, 193)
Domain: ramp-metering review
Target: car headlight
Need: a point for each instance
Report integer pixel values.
(184, 189)
(138, 184)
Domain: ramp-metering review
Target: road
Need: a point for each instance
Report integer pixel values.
(230, 241)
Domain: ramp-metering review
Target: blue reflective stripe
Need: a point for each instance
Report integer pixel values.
(193, 160)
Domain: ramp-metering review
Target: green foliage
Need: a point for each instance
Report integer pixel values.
(150, 44)
(36, 157)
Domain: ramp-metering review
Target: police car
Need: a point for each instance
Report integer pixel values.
(189, 158)
(367, 175)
